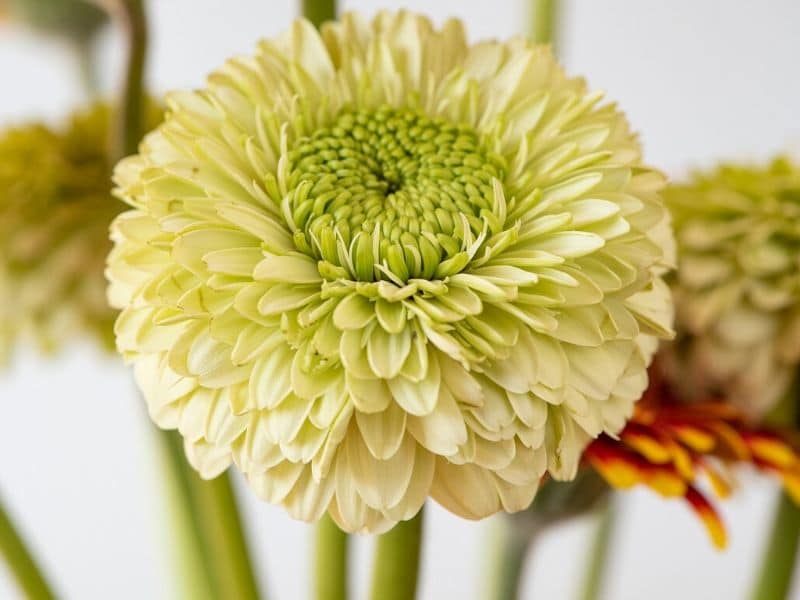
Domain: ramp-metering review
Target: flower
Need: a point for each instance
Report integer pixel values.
(55, 210)
(668, 444)
(376, 264)
(75, 20)
(737, 288)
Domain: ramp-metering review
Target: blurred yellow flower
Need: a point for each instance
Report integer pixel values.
(55, 210)
(377, 263)
(737, 288)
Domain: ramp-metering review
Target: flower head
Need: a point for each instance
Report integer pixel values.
(668, 444)
(376, 264)
(77, 20)
(55, 210)
(737, 288)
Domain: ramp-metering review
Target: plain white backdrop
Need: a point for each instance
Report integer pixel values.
(701, 80)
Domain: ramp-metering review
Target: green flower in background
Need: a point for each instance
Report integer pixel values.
(55, 210)
(76, 20)
(376, 264)
(737, 288)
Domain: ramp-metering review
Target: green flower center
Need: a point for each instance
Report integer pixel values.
(391, 194)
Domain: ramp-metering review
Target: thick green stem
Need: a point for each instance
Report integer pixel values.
(599, 553)
(544, 21)
(214, 534)
(224, 538)
(20, 562)
(330, 561)
(511, 542)
(319, 11)
(397, 559)
(188, 544)
(130, 114)
(780, 554)
(780, 557)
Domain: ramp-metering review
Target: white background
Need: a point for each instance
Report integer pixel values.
(702, 80)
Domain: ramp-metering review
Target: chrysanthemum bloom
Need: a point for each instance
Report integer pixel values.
(669, 445)
(55, 210)
(378, 264)
(737, 288)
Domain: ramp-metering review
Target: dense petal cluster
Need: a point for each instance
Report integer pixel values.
(667, 445)
(737, 288)
(55, 210)
(377, 264)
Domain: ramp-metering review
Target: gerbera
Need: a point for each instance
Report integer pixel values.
(737, 288)
(55, 210)
(670, 446)
(376, 264)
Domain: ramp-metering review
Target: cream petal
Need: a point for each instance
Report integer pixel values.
(465, 490)
(368, 395)
(291, 268)
(353, 312)
(195, 414)
(380, 483)
(285, 420)
(418, 488)
(208, 460)
(270, 380)
(382, 432)
(275, 484)
(387, 352)
(309, 499)
(418, 398)
(464, 387)
(442, 430)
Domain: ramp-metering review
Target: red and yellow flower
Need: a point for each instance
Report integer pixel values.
(670, 446)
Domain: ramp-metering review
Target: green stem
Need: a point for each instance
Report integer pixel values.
(544, 24)
(216, 552)
(130, 117)
(83, 49)
(190, 550)
(396, 567)
(20, 561)
(511, 542)
(599, 554)
(221, 525)
(777, 567)
(319, 11)
(330, 561)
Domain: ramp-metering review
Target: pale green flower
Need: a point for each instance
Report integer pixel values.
(737, 288)
(378, 264)
(55, 210)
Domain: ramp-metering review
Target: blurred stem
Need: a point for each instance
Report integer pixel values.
(330, 561)
(20, 562)
(85, 59)
(319, 11)
(780, 556)
(190, 551)
(510, 543)
(397, 558)
(215, 536)
(544, 24)
(777, 568)
(218, 513)
(599, 553)
(130, 114)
